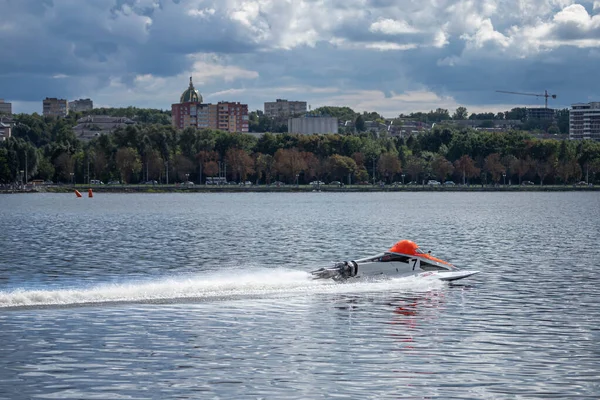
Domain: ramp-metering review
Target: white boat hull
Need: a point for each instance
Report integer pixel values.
(393, 265)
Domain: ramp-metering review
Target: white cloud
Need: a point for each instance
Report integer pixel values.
(392, 27)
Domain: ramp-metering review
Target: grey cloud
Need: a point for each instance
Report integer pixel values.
(92, 42)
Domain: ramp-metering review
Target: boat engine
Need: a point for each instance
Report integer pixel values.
(340, 271)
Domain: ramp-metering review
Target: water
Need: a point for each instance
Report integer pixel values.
(207, 296)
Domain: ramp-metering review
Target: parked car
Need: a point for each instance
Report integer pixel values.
(96, 182)
(314, 183)
(449, 183)
(582, 183)
(337, 183)
(114, 182)
(527, 183)
(433, 182)
(277, 183)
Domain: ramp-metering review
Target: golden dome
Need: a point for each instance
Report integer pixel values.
(190, 95)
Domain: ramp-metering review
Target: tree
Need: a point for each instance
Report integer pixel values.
(241, 163)
(568, 169)
(128, 163)
(314, 166)
(64, 165)
(543, 168)
(182, 166)
(494, 167)
(341, 166)
(466, 166)
(289, 163)
(388, 165)
(211, 168)
(522, 167)
(460, 113)
(414, 167)
(441, 167)
(263, 165)
(593, 167)
(359, 124)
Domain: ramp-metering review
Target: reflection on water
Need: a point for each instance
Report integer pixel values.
(208, 296)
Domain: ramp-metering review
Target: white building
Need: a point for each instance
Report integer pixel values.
(284, 108)
(309, 125)
(584, 121)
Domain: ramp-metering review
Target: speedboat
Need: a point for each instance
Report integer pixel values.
(404, 258)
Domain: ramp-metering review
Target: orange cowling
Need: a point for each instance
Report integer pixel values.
(77, 193)
(410, 248)
(405, 247)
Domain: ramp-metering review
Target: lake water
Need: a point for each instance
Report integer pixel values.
(128, 296)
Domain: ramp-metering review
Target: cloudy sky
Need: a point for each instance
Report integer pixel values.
(389, 56)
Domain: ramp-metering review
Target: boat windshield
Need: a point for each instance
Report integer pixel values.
(419, 251)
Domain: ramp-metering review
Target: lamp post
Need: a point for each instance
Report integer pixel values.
(504, 177)
(21, 177)
(297, 177)
(187, 178)
(72, 175)
(403, 175)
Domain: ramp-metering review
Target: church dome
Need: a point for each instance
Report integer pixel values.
(191, 95)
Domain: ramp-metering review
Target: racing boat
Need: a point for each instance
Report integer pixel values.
(404, 258)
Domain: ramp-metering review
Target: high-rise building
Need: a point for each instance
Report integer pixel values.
(185, 113)
(191, 112)
(584, 121)
(55, 107)
(284, 108)
(232, 117)
(5, 108)
(81, 105)
(540, 113)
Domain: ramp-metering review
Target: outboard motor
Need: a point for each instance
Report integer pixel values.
(340, 271)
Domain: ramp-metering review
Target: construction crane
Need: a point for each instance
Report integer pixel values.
(545, 95)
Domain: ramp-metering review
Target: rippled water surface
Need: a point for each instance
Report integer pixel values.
(207, 296)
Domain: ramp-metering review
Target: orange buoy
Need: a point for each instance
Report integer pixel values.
(77, 193)
(90, 193)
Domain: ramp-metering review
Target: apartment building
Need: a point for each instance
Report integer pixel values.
(55, 107)
(191, 112)
(5, 108)
(284, 108)
(584, 121)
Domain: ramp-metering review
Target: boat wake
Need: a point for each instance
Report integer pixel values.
(263, 283)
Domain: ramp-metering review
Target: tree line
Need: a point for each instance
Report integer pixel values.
(46, 148)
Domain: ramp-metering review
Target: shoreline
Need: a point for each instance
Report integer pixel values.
(294, 189)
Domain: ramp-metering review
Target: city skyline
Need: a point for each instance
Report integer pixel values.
(370, 55)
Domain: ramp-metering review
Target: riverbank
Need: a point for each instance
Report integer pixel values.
(294, 188)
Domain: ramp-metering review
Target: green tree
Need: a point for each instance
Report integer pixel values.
(442, 167)
(460, 113)
(467, 168)
(359, 124)
(388, 166)
(128, 163)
